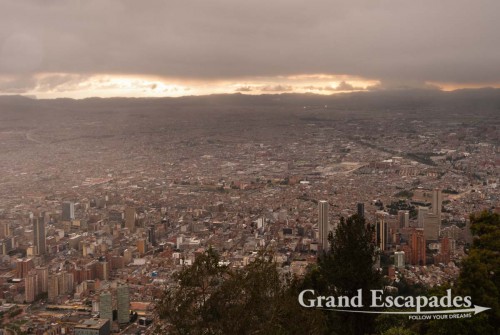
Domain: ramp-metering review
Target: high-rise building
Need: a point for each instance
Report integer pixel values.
(432, 225)
(61, 283)
(68, 211)
(7, 244)
(323, 224)
(127, 256)
(42, 278)
(381, 231)
(103, 270)
(70, 282)
(422, 215)
(430, 219)
(106, 306)
(399, 259)
(130, 218)
(53, 288)
(444, 255)
(123, 303)
(141, 246)
(418, 247)
(39, 239)
(24, 266)
(5, 232)
(404, 219)
(30, 288)
(437, 202)
(152, 235)
(361, 209)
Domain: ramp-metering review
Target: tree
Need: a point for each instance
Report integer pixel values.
(480, 279)
(346, 268)
(256, 299)
(398, 331)
(263, 301)
(182, 307)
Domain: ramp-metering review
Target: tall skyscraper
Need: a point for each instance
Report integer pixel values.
(42, 278)
(361, 209)
(404, 219)
(433, 226)
(130, 219)
(323, 224)
(68, 211)
(30, 288)
(24, 266)
(422, 215)
(6, 229)
(39, 239)
(53, 288)
(437, 202)
(102, 270)
(123, 303)
(381, 230)
(152, 235)
(106, 306)
(430, 219)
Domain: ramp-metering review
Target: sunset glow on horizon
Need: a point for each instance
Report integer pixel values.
(60, 85)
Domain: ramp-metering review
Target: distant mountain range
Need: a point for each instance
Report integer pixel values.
(458, 101)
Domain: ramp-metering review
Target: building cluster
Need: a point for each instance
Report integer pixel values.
(91, 237)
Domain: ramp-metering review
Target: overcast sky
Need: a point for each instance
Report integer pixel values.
(173, 47)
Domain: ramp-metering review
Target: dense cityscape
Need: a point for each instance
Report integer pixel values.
(103, 201)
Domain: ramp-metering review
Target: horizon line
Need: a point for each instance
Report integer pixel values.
(379, 90)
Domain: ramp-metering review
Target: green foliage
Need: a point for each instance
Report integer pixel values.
(211, 299)
(395, 206)
(407, 289)
(398, 331)
(422, 157)
(348, 267)
(15, 312)
(257, 299)
(449, 191)
(183, 306)
(480, 279)
(404, 194)
(351, 258)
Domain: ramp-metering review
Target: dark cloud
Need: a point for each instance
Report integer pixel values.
(410, 41)
(244, 89)
(60, 81)
(345, 86)
(318, 88)
(277, 88)
(17, 84)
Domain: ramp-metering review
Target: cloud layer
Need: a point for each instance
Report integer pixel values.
(407, 41)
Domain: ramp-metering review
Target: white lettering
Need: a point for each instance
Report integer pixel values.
(421, 302)
(357, 301)
(301, 299)
(457, 301)
(397, 302)
(377, 296)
